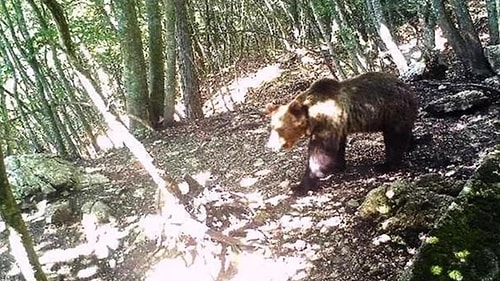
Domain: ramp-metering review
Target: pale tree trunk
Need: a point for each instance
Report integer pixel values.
(271, 14)
(5, 125)
(493, 7)
(340, 74)
(170, 59)
(428, 32)
(31, 136)
(59, 17)
(462, 37)
(378, 18)
(134, 63)
(156, 64)
(352, 46)
(189, 76)
(52, 125)
(20, 242)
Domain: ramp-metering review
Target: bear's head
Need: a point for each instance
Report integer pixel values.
(288, 124)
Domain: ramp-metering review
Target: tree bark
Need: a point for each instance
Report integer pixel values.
(52, 124)
(5, 125)
(170, 60)
(493, 25)
(189, 76)
(328, 40)
(133, 63)
(428, 30)
(32, 138)
(463, 39)
(156, 64)
(11, 214)
(378, 18)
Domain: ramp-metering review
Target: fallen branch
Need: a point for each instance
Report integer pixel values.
(170, 206)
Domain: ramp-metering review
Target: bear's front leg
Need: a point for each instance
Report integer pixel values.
(321, 163)
(308, 182)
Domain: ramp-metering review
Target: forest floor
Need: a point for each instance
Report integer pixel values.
(317, 237)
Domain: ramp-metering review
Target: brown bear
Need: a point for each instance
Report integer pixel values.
(329, 110)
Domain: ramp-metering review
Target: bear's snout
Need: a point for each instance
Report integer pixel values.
(275, 142)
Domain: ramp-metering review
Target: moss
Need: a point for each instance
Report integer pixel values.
(465, 245)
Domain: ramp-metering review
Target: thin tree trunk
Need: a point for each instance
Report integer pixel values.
(52, 121)
(465, 42)
(428, 33)
(352, 46)
(375, 8)
(18, 232)
(5, 126)
(328, 40)
(33, 138)
(277, 22)
(77, 60)
(170, 60)
(493, 28)
(156, 64)
(133, 62)
(78, 111)
(189, 76)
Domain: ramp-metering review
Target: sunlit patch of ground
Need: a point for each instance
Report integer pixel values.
(236, 93)
(273, 257)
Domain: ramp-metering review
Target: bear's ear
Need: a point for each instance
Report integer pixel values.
(270, 108)
(296, 107)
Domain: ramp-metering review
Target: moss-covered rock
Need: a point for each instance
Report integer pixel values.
(410, 205)
(36, 176)
(465, 244)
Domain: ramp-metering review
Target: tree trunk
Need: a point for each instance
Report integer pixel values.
(493, 28)
(189, 76)
(51, 123)
(5, 125)
(18, 232)
(170, 54)
(463, 39)
(328, 40)
(134, 63)
(350, 43)
(428, 30)
(156, 64)
(32, 138)
(378, 18)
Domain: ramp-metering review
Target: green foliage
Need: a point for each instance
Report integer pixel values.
(399, 13)
(44, 37)
(323, 8)
(348, 37)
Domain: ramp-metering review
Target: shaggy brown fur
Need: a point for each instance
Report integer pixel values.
(330, 110)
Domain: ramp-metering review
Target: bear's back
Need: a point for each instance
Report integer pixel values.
(373, 101)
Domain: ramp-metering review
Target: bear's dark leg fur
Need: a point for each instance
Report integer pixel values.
(396, 144)
(339, 156)
(324, 158)
(308, 182)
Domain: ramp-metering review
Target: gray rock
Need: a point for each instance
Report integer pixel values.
(376, 203)
(458, 104)
(39, 175)
(60, 213)
(493, 81)
(416, 69)
(98, 210)
(34, 177)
